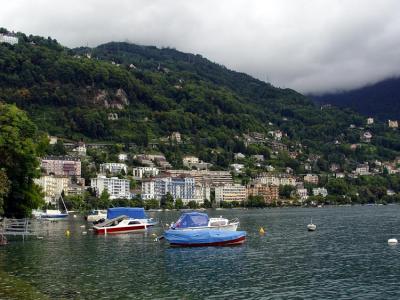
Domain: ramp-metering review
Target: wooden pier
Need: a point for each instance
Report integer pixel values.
(16, 227)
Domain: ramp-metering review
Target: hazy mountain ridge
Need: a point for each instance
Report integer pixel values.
(380, 100)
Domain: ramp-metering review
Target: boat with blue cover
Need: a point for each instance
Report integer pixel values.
(204, 237)
(124, 220)
(197, 220)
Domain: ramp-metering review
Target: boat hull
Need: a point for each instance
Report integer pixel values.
(236, 242)
(121, 229)
(204, 238)
(54, 217)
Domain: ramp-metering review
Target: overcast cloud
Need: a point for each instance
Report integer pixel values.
(307, 45)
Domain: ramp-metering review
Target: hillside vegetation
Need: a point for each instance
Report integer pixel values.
(154, 92)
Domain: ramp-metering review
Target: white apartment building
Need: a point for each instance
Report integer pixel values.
(80, 149)
(52, 187)
(230, 193)
(202, 192)
(280, 179)
(320, 191)
(140, 172)
(214, 178)
(302, 193)
(187, 160)
(148, 190)
(116, 188)
(122, 157)
(362, 169)
(179, 187)
(113, 168)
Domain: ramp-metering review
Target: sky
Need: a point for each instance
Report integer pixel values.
(312, 46)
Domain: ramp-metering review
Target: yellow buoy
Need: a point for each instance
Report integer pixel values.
(261, 231)
(67, 233)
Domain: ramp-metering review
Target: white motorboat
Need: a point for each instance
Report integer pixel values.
(196, 221)
(124, 220)
(96, 215)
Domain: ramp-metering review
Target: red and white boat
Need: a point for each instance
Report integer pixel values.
(124, 220)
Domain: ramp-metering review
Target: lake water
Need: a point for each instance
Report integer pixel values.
(346, 258)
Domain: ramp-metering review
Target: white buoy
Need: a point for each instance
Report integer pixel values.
(392, 241)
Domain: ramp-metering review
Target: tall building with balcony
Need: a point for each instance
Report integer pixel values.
(116, 188)
(230, 193)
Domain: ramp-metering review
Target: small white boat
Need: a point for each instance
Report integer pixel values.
(53, 214)
(124, 220)
(196, 221)
(96, 215)
(311, 226)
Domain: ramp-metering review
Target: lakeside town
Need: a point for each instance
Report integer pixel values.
(151, 180)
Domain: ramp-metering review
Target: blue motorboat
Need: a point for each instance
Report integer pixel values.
(196, 221)
(204, 237)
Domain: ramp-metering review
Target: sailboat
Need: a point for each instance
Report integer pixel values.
(55, 214)
(311, 226)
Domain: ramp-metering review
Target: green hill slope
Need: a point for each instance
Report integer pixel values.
(154, 92)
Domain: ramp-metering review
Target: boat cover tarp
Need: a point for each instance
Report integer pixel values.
(202, 236)
(191, 219)
(130, 212)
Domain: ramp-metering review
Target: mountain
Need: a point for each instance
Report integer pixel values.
(128, 93)
(380, 100)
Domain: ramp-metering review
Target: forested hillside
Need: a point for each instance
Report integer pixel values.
(380, 100)
(153, 92)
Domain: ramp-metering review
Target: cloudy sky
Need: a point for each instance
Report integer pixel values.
(308, 45)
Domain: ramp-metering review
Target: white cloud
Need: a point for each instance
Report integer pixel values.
(308, 45)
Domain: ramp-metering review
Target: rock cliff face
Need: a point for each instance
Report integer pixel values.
(116, 100)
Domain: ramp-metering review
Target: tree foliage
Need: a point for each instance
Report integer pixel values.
(20, 145)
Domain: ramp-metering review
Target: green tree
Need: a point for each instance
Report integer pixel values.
(19, 148)
(192, 204)
(152, 204)
(167, 201)
(285, 191)
(4, 188)
(104, 200)
(178, 203)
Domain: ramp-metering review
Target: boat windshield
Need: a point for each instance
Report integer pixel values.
(193, 219)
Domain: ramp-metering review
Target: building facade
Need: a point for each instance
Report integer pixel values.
(141, 172)
(53, 186)
(116, 188)
(212, 178)
(230, 193)
(61, 166)
(179, 188)
(270, 193)
(311, 178)
(113, 168)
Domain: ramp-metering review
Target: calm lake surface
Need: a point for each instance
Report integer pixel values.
(346, 258)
